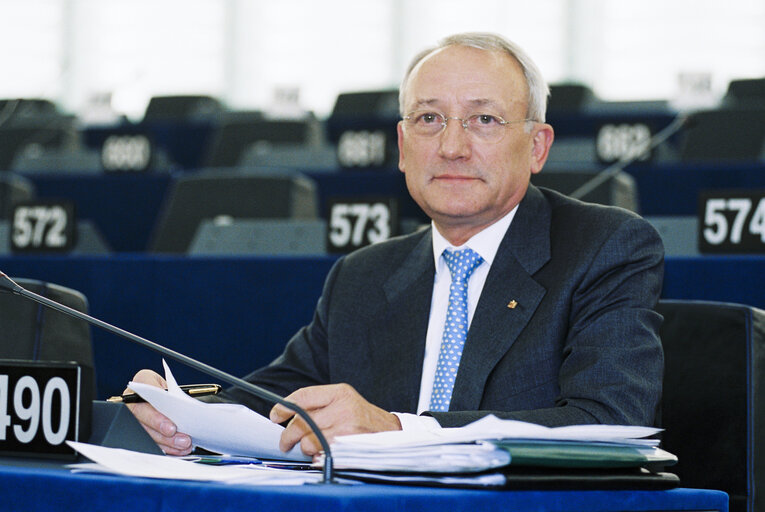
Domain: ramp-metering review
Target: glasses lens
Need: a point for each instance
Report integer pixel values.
(426, 124)
(486, 127)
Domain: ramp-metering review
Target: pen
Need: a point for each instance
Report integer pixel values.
(190, 389)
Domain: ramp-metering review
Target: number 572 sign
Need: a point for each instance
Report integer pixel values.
(732, 222)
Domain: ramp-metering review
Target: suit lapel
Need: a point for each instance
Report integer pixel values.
(403, 324)
(495, 326)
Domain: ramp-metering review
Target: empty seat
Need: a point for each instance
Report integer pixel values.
(226, 236)
(295, 157)
(55, 160)
(235, 134)
(569, 97)
(730, 134)
(620, 190)
(712, 408)
(14, 189)
(182, 108)
(208, 195)
(33, 332)
(746, 92)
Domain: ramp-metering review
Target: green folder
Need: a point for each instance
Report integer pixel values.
(582, 454)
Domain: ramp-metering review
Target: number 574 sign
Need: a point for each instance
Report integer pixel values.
(732, 222)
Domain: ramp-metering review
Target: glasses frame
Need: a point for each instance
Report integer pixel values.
(463, 121)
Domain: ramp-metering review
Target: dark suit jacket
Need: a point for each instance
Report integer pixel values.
(581, 346)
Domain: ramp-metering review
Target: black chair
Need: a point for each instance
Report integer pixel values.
(239, 196)
(620, 190)
(182, 108)
(33, 332)
(746, 92)
(383, 103)
(728, 134)
(237, 132)
(570, 97)
(712, 409)
(14, 189)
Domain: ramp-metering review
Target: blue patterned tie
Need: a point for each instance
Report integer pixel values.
(461, 264)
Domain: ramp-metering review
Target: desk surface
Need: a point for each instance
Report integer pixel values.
(30, 488)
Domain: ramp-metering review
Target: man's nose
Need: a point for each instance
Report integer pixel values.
(454, 140)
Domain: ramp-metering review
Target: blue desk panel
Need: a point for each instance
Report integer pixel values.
(32, 489)
(674, 189)
(124, 207)
(237, 313)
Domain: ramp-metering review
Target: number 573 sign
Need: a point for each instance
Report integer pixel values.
(732, 222)
(356, 222)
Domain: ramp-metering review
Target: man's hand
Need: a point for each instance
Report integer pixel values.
(337, 409)
(159, 427)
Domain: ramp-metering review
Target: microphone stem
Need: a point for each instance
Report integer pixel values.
(628, 158)
(328, 476)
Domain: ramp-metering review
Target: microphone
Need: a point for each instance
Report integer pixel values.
(8, 284)
(609, 172)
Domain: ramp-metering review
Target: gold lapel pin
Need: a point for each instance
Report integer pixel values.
(512, 304)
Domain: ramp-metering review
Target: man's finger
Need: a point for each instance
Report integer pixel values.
(293, 434)
(309, 399)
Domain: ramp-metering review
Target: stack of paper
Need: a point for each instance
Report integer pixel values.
(491, 443)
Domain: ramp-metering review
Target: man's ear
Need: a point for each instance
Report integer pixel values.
(400, 132)
(542, 139)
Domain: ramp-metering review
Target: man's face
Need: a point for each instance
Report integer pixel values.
(460, 181)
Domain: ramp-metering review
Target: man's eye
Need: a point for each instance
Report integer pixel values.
(486, 119)
(428, 118)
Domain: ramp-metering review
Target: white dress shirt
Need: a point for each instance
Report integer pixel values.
(485, 243)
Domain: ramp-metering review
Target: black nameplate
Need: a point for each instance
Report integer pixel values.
(126, 153)
(43, 226)
(363, 148)
(623, 141)
(356, 222)
(42, 405)
(732, 221)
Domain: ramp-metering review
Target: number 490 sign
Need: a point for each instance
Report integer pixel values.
(732, 222)
(42, 405)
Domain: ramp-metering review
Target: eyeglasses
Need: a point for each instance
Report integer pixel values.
(488, 128)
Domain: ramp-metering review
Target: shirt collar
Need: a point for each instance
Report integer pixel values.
(485, 242)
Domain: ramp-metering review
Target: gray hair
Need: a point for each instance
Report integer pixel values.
(538, 89)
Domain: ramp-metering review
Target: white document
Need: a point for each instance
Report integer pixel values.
(491, 427)
(224, 428)
(467, 449)
(126, 462)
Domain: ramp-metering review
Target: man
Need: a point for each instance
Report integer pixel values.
(558, 294)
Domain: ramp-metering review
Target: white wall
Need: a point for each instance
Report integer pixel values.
(243, 51)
